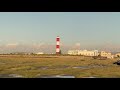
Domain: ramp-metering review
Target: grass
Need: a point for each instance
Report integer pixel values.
(30, 66)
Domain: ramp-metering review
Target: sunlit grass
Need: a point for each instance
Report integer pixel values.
(30, 67)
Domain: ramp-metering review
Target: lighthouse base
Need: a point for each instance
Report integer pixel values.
(58, 53)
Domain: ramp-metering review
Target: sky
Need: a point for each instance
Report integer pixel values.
(36, 31)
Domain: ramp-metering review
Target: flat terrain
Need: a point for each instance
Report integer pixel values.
(39, 66)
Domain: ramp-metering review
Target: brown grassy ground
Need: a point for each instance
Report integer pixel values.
(32, 66)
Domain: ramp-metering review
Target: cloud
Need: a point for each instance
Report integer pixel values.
(12, 45)
(34, 47)
(37, 45)
(77, 44)
(15, 44)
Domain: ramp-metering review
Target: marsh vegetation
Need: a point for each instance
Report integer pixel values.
(75, 66)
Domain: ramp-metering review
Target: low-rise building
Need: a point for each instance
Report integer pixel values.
(73, 52)
(106, 54)
(83, 52)
(91, 53)
(117, 55)
(39, 53)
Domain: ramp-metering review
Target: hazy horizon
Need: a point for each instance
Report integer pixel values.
(36, 31)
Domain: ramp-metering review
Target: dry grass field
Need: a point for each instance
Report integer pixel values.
(38, 66)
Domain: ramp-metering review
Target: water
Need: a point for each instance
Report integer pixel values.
(65, 76)
(60, 67)
(82, 67)
(57, 76)
(10, 76)
(15, 75)
(89, 77)
(88, 67)
(55, 67)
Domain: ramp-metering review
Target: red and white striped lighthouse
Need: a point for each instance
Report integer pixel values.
(58, 45)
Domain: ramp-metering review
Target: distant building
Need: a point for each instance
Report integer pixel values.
(83, 52)
(91, 53)
(73, 52)
(117, 55)
(39, 53)
(20, 53)
(106, 54)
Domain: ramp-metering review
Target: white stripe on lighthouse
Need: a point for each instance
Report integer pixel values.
(58, 43)
(57, 50)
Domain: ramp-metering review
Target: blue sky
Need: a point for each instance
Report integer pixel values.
(87, 28)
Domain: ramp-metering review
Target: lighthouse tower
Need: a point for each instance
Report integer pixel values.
(58, 45)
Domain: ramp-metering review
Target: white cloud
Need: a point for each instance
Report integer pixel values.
(77, 44)
(12, 44)
(38, 45)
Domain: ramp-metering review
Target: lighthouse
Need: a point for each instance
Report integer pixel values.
(57, 45)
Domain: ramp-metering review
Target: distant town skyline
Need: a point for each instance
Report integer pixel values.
(37, 31)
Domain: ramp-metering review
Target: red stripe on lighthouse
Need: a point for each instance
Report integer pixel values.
(57, 46)
(57, 39)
